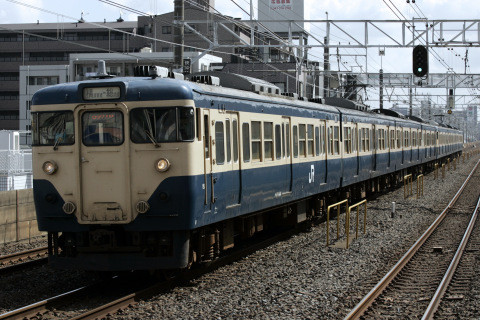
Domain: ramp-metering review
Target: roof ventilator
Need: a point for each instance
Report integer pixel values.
(215, 81)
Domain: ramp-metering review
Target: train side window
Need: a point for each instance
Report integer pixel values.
(317, 141)
(295, 141)
(278, 142)
(347, 140)
(228, 140)
(301, 140)
(367, 139)
(268, 140)
(336, 140)
(310, 140)
(246, 141)
(256, 141)
(235, 140)
(219, 143)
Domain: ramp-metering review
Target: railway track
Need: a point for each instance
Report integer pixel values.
(416, 284)
(21, 260)
(63, 305)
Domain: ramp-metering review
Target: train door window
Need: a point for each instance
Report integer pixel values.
(414, 139)
(405, 139)
(295, 141)
(287, 139)
(362, 140)
(367, 139)
(322, 139)
(301, 140)
(256, 141)
(310, 140)
(206, 126)
(102, 128)
(52, 128)
(246, 141)
(336, 140)
(392, 139)
(278, 142)
(219, 143)
(284, 141)
(354, 139)
(317, 141)
(235, 140)
(399, 139)
(268, 140)
(228, 140)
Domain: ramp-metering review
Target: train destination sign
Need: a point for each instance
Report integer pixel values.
(101, 93)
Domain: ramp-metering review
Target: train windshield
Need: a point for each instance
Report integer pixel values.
(52, 128)
(152, 125)
(102, 128)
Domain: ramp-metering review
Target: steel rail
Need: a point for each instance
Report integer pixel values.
(23, 255)
(367, 301)
(442, 288)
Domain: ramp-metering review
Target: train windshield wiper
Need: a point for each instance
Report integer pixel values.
(152, 138)
(57, 142)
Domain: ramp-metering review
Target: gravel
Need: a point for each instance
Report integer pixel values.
(299, 278)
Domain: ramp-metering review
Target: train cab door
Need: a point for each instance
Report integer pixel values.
(104, 164)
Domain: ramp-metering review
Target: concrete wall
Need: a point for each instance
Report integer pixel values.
(17, 216)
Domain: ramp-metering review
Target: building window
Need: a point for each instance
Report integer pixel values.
(43, 81)
(166, 29)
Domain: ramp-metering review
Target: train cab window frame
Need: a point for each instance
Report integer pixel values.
(102, 128)
(53, 128)
(162, 125)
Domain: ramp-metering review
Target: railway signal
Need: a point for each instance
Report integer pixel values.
(420, 61)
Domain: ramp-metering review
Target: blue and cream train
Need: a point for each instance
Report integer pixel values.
(154, 172)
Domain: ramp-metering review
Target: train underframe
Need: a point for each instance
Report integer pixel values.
(114, 248)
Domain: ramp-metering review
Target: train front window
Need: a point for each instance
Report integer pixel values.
(102, 128)
(52, 128)
(152, 125)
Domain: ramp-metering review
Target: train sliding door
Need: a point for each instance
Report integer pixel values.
(232, 150)
(286, 153)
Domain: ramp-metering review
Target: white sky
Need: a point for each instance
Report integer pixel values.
(395, 60)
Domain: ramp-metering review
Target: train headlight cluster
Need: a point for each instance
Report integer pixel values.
(162, 165)
(49, 167)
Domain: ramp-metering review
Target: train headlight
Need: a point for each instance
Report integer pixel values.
(162, 165)
(49, 167)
